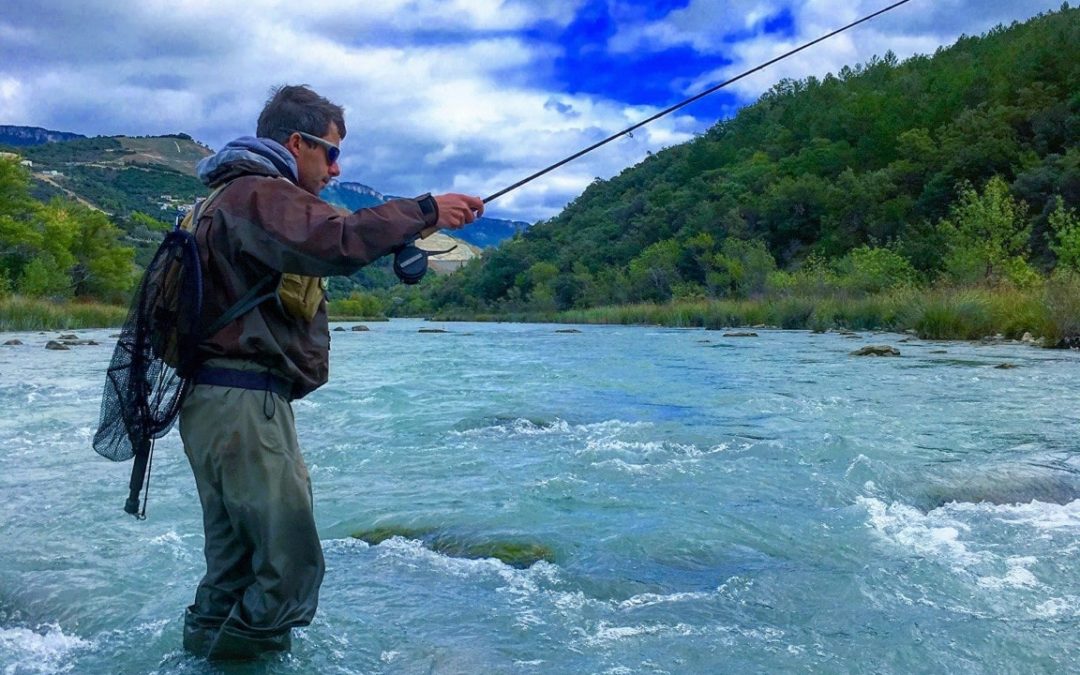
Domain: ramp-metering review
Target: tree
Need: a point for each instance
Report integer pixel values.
(1065, 240)
(103, 267)
(988, 236)
(654, 272)
(19, 239)
(742, 268)
(872, 270)
(58, 249)
(358, 305)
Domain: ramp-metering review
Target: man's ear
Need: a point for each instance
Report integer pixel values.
(292, 144)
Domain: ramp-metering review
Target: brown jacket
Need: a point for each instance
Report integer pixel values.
(260, 226)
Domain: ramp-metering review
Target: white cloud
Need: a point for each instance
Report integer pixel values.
(439, 94)
(918, 27)
(703, 25)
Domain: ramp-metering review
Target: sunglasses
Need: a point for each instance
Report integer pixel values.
(332, 151)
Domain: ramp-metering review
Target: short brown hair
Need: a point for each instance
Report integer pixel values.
(298, 108)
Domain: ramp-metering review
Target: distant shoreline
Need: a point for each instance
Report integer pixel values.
(1048, 315)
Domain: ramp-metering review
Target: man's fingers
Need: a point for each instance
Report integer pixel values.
(458, 210)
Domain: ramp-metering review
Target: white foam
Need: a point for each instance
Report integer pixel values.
(1055, 608)
(524, 427)
(412, 552)
(174, 544)
(607, 633)
(1017, 576)
(933, 535)
(953, 535)
(26, 651)
(646, 449)
(1039, 515)
(627, 467)
(389, 656)
(344, 545)
(649, 599)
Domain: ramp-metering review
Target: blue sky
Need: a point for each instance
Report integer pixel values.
(445, 95)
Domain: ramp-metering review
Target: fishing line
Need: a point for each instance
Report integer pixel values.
(690, 100)
(411, 262)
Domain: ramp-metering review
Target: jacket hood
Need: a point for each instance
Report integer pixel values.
(245, 156)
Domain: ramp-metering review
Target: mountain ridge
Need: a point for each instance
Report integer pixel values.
(22, 136)
(156, 175)
(483, 233)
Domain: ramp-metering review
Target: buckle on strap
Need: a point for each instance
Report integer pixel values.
(244, 379)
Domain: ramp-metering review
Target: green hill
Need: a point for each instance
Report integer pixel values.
(120, 175)
(877, 155)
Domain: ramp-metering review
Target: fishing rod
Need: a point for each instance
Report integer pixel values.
(690, 100)
(410, 259)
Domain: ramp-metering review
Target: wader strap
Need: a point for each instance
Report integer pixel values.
(244, 379)
(247, 302)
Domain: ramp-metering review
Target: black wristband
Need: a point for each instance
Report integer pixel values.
(429, 208)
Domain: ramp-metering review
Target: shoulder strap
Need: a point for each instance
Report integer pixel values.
(247, 302)
(254, 295)
(192, 219)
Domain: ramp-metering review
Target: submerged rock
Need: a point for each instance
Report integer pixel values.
(1069, 342)
(359, 328)
(1005, 485)
(513, 552)
(378, 535)
(13, 342)
(741, 334)
(876, 350)
(432, 330)
(56, 346)
(1005, 366)
(568, 330)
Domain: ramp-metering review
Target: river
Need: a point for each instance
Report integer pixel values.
(706, 504)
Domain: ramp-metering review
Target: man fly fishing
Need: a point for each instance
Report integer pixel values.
(264, 562)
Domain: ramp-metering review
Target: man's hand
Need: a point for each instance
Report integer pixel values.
(456, 210)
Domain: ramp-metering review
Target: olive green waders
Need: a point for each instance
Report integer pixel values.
(264, 562)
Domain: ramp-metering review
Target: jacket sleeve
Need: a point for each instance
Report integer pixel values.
(290, 230)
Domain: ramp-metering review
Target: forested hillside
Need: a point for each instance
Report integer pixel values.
(961, 166)
(120, 175)
(58, 250)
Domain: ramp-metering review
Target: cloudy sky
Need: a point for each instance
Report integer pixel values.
(445, 95)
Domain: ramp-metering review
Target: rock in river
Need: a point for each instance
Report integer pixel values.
(876, 350)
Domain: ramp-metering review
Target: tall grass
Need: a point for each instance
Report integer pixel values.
(21, 313)
(1051, 311)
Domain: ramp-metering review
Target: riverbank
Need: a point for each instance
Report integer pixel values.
(19, 313)
(1049, 313)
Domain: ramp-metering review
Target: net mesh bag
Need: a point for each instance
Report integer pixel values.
(151, 364)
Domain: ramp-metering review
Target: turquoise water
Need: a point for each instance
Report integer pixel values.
(713, 504)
